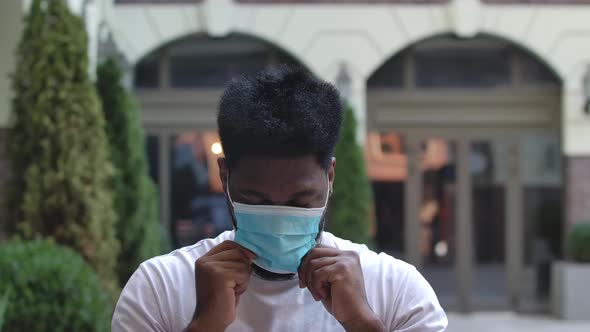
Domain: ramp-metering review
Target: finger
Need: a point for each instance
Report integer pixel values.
(221, 266)
(314, 254)
(321, 252)
(238, 280)
(307, 266)
(316, 264)
(229, 245)
(242, 287)
(230, 255)
(239, 276)
(319, 283)
(223, 246)
(231, 274)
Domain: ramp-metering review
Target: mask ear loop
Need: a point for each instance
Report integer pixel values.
(328, 194)
(227, 189)
(231, 202)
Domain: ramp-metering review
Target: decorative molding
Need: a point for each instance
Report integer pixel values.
(218, 17)
(466, 107)
(466, 17)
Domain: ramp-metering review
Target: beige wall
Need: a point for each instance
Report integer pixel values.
(10, 30)
(364, 36)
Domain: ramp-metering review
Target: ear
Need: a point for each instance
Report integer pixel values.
(223, 172)
(332, 174)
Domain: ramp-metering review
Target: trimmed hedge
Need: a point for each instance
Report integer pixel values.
(578, 243)
(51, 289)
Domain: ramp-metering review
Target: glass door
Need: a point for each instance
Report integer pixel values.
(436, 216)
(542, 215)
(458, 218)
(488, 172)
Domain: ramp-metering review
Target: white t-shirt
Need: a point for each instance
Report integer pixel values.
(160, 296)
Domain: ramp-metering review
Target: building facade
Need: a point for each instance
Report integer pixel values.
(473, 115)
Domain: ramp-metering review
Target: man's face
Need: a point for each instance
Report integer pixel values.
(298, 182)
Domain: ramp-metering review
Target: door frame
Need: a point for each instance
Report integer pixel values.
(513, 200)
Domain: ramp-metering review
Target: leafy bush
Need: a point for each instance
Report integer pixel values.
(136, 199)
(351, 200)
(58, 147)
(578, 243)
(52, 289)
(3, 306)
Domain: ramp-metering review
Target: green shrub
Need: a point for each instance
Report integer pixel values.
(3, 306)
(578, 243)
(52, 289)
(58, 147)
(351, 199)
(136, 199)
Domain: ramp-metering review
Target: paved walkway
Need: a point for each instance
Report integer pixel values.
(510, 322)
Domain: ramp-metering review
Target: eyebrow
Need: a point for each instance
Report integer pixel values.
(300, 194)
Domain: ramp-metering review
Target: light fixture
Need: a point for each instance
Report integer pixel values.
(586, 87)
(343, 82)
(441, 249)
(216, 148)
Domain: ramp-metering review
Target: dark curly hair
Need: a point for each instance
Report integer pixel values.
(279, 113)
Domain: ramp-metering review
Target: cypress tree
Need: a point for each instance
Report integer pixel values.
(351, 199)
(136, 201)
(58, 147)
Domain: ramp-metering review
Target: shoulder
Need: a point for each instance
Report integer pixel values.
(409, 301)
(183, 258)
(374, 264)
(151, 301)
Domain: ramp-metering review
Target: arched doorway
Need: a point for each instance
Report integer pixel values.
(178, 87)
(464, 154)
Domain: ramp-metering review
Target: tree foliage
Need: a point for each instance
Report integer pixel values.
(136, 200)
(351, 199)
(58, 148)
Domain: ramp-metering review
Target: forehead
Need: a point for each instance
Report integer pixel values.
(284, 175)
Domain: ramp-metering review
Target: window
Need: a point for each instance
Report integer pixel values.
(198, 206)
(535, 72)
(463, 68)
(215, 70)
(391, 74)
(199, 62)
(147, 72)
(449, 62)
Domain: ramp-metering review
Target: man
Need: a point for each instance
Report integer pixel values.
(278, 270)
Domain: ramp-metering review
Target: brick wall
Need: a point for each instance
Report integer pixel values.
(577, 189)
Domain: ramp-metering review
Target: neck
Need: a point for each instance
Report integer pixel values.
(271, 276)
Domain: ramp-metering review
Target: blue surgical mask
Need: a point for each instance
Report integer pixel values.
(279, 235)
